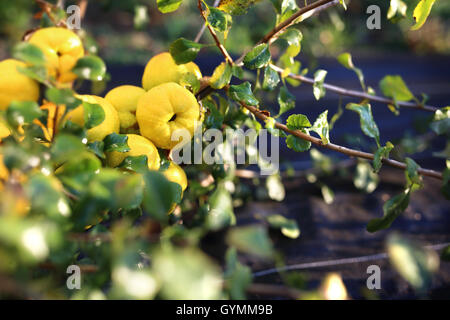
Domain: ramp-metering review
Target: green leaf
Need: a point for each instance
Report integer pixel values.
(190, 80)
(237, 276)
(238, 72)
(346, 60)
(392, 209)
(413, 178)
(221, 76)
(243, 93)
(298, 144)
(394, 87)
(159, 195)
(441, 121)
(66, 147)
(116, 142)
(381, 153)
(271, 79)
(38, 73)
(217, 19)
(21, 112)
(365, 179)
(93, 114)
(135, 163)
(318, 89)
(63, 97)
(214, 119)
(166, 6)
(253, 240)
(29, 53)
(236, 7)
(286, 100)
(421, 13)
(368, 125)
(90, 68)
(193, 275)
(79, 170)
(221, 213)
(293, 37)
(321, 127)
(258, 57)
(46, 197)
(288, 227)
(184, 51)
(327, 194)
(413, 262)
(297, 122)
(97, 148)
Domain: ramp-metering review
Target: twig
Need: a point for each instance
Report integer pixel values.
(83, 6)
(302, 13)
(214, 35)
(337, 262)
(356, 94)
(203, 28)
(338, 148)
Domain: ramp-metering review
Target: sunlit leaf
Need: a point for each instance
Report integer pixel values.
(258, 57)
(318, 89)
(243, 93)
(394, 87)
(368, 125)
(90, 68)
(421, 13)
(184, 51)
(221, 76)
(288, 227)
(166, 6)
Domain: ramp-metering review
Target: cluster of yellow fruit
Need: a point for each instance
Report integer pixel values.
(148, 115)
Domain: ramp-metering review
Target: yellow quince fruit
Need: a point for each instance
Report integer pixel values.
(165, 109)
(175, 173)
(109, 125)
(138, 146)
(125, 99)
(62, 48)
(15, 86)
(162, 69)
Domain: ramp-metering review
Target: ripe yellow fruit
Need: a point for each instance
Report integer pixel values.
(109, 125)
(165, 109)
(62, 49)
(125, 99)
(162, 69)
(138, 146)
(176, 174)
(15, 86)
(4, 173)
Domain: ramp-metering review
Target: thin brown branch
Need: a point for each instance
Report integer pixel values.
(214, 35)
(357, 94)
(203, 28)
(303, 13)
(347, 151)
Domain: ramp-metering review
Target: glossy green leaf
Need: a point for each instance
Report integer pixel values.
(293, 37)
(381, 153)
(258, 57)
(368, 125)
(29, 53)
(217, 19)
(184, 51)
(321, 127)
(346, 60)
(288, 227)
(93, 114)
(286, 100)
(63, 97)
(298, 144)
(66, 147)
(392, 209)
(394, 87)
(221, 76)
(271, 79)
(90, 68)
(397, 7)
(243, 93)
(21, 112)
(318, 89)
(166, 6)
(413, 178)
(297, 122)
(116, 142)
(135, 163)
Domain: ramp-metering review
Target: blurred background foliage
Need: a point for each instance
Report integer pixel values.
(131, 31)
